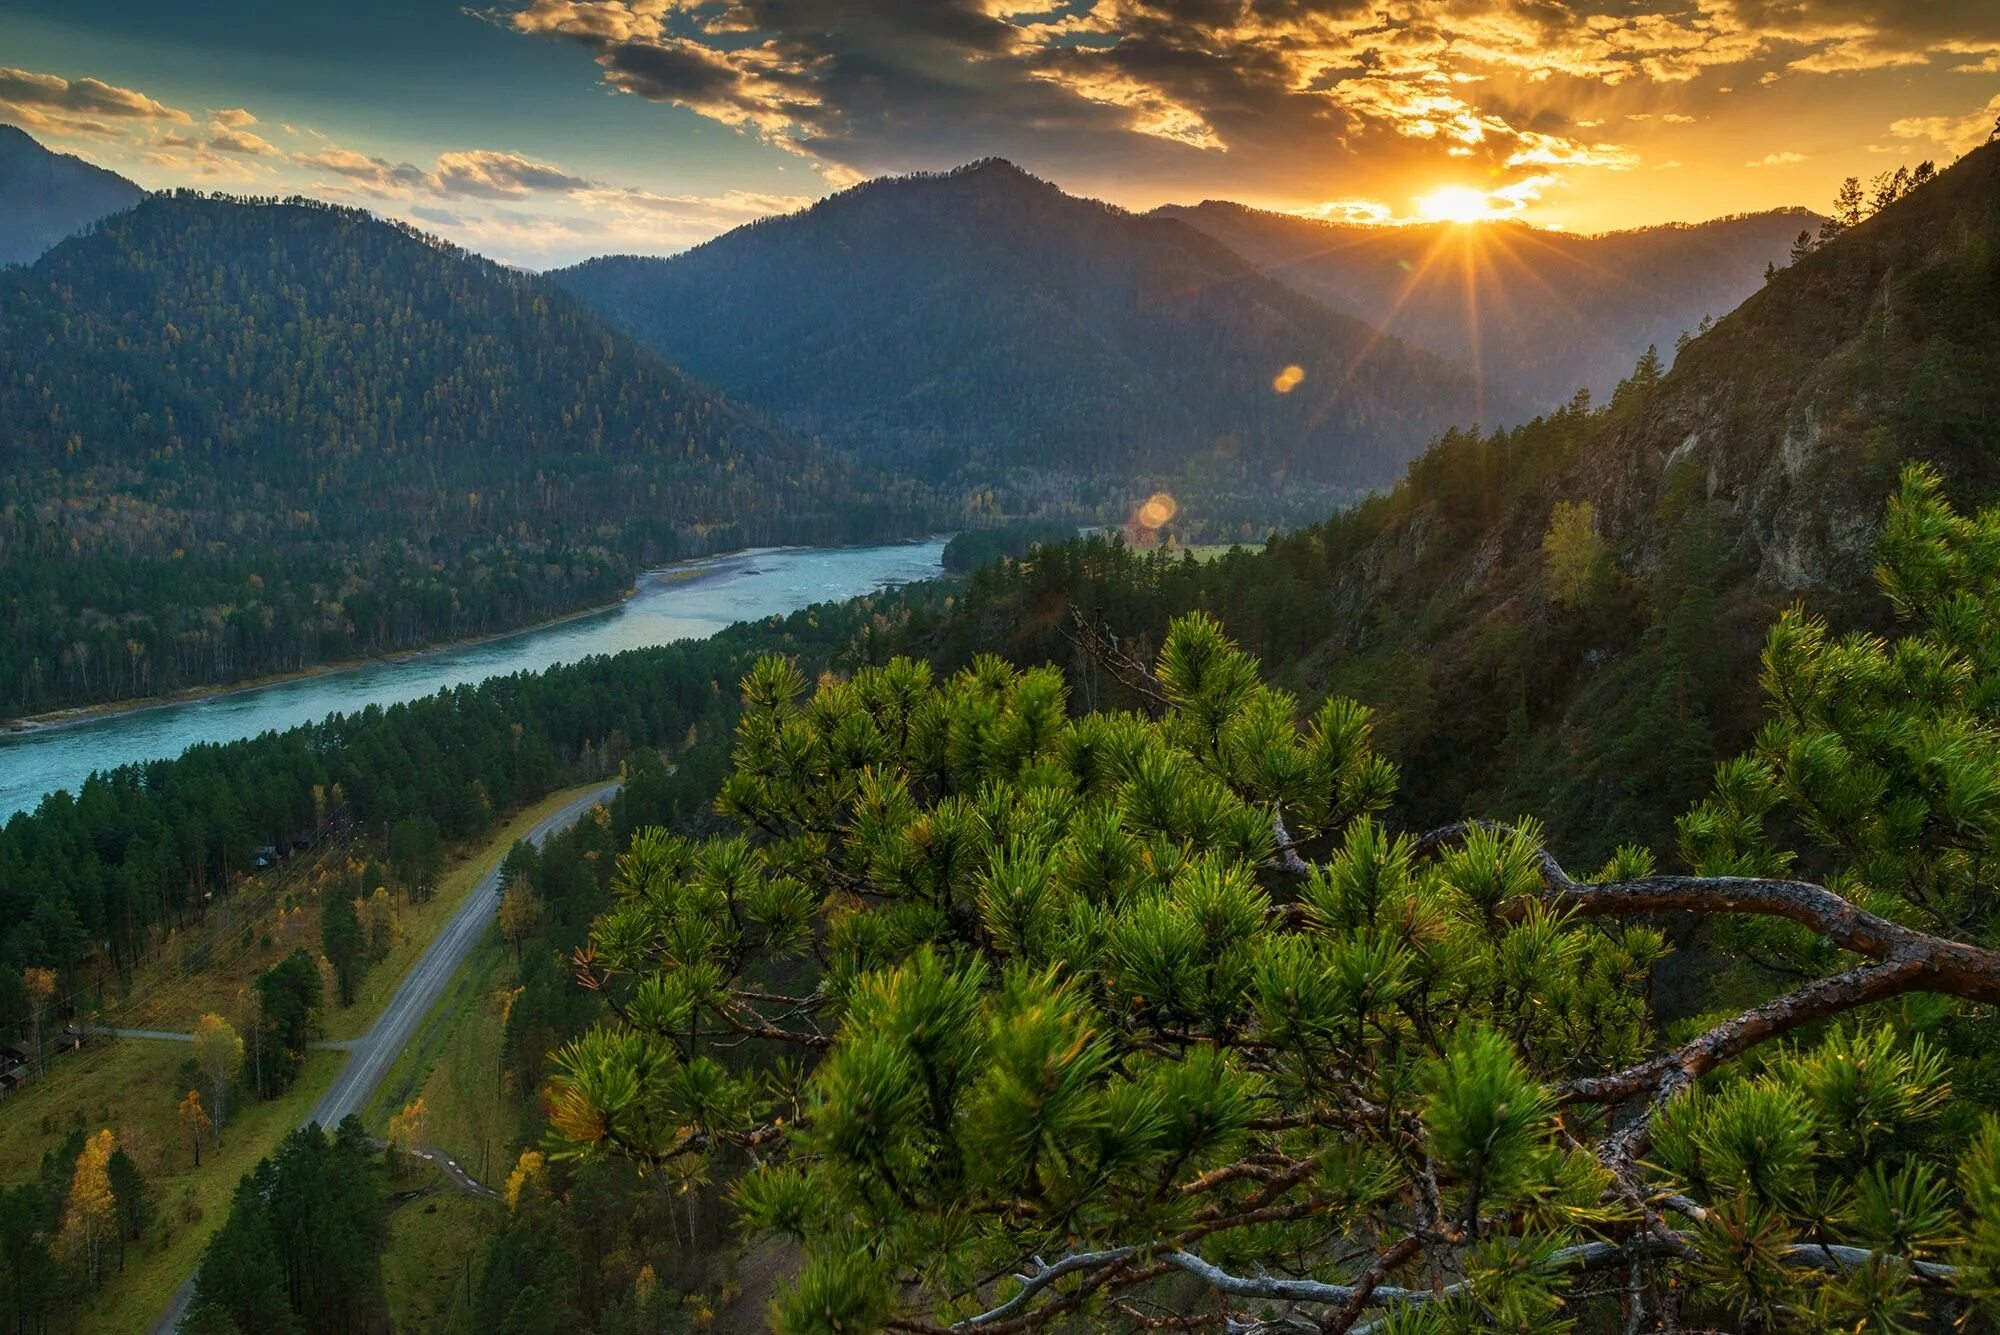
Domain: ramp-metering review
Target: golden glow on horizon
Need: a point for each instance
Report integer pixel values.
(1458, 204)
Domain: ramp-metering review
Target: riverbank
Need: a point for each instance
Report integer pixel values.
(679, 572)
(687, 601)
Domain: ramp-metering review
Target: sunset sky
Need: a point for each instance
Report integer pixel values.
(543, 131)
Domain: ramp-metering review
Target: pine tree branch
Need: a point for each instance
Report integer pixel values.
(1342, 1318)
(1904, 959)
(1672, 1071)
(1827, 1256)
(1952, 967)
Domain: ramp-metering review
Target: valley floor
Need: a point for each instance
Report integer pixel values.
(132, 1085)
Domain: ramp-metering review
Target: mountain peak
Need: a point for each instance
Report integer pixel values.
(46, 196)
(981, 327)
(996, 166)
(986, 173)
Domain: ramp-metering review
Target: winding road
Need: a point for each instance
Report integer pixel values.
(376, 1051)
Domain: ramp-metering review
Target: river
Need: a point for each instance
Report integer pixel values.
(689, 601)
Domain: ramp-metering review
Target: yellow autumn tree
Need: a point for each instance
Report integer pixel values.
(218, 1050)
(196, 1122)
(40, 985)
(520, 914)
(1573, 554)
(379, 923)
(406, 1128)
(92, 1212)
(531, 1172)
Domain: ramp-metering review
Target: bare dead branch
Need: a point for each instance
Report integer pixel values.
(1351, 1300)
(1044, 1275)
(1098, 641)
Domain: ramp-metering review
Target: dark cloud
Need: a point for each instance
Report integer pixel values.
(870, 84)
(1145, 91)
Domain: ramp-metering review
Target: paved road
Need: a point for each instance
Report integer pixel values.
(376, 1051)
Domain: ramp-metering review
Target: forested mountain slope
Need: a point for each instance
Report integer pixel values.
(47, 196)
(1542, 313)
(983, 326)
(1564, 618)
(249, 437)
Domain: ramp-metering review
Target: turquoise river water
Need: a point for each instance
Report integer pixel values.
(690, 601)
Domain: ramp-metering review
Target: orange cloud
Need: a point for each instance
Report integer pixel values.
(227, 140)
(1959, 134)
(52, 104)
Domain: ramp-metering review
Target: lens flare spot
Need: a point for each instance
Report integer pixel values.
(1288, 379)
(1156, 510)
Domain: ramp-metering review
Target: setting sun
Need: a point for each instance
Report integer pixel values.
(1456, 203)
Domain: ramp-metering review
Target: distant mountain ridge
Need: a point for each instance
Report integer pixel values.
(981, 324)
(1543, 313)
(46, 196)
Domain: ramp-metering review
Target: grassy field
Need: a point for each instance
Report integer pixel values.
(454, 1064)
(213, 965)
(133, 1086)
(436, 1245)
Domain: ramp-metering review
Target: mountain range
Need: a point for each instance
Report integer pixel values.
(252, 436)
(46, 196)
(1541, 312)
(981, 323)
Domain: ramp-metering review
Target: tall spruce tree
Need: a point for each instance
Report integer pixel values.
(344, 944)
(302, 1247)
(240, 1285)
(289, 996)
